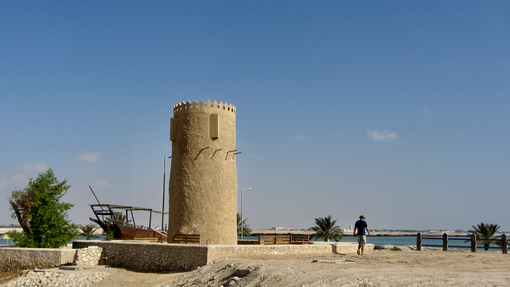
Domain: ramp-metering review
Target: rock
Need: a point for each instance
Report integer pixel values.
(242, 272)
(381, 247)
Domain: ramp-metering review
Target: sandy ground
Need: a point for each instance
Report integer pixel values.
(7, 276)
(378, 268)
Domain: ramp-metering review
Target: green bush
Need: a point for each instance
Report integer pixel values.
(40, 213)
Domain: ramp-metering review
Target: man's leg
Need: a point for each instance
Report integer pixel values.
(362, 242)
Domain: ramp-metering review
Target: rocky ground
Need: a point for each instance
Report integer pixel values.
(32, 278)
(378, 268)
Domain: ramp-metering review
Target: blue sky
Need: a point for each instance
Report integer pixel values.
(398, 110)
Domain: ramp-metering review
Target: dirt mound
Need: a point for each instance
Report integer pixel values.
(377, 268)
(380, 268)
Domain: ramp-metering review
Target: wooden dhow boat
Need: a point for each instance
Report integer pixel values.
(120, 220)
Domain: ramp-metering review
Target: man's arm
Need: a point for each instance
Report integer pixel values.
(354, 233)
(368, 231)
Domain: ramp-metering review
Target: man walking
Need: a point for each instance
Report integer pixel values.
(361, 226)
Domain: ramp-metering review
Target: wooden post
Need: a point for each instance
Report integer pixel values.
(504, 244)
(418, 241)
(473, 242)
(445, 242)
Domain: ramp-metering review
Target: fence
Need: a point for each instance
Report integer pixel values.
(284, 239)
(186, 238)
(503, 241)
(278, 239)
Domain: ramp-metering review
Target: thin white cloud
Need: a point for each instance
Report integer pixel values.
(37, 167)
(426, 112)
(340, 135)
(101, 183)
(3, 181)
(301, 138)
(89, 157)
(385, 135)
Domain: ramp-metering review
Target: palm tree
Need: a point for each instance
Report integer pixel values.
(245, 228)
(484, 232)
(327, 230)
(120, 217)
(88, 230)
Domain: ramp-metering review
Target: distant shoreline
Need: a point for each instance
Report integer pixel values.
(373, 233)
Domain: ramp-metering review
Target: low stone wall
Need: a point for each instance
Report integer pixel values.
(233, 251)
(149, 256)
(350, 247)
(17, 259)
(154, 256)
(175, 257)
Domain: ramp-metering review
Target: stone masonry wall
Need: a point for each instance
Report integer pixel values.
(152, 256)
(88, 256)
(17, 259)
(149, 256)
(176, 257)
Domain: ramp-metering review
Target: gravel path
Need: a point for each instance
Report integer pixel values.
(57, 279)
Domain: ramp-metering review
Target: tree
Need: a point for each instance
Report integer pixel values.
(325, 228)
(88, 230)
(245, 228)
(40, 214)
(120, 217)
(484, 232)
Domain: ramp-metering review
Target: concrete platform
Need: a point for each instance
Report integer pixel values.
(345, 247)
(97, 268)
(179, 257)
(82, 267)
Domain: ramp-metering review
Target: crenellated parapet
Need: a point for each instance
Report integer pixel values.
(204, 107)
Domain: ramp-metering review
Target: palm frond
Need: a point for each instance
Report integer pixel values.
(484, 233)
(325, 229)
(246, 231)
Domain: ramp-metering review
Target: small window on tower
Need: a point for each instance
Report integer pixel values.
(214, 130)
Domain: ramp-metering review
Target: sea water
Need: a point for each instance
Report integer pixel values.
(376, 240)
(386, 240)
(390, 240)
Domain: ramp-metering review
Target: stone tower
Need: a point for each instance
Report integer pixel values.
(203, 177)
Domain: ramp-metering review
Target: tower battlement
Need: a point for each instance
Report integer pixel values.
(204, 107)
